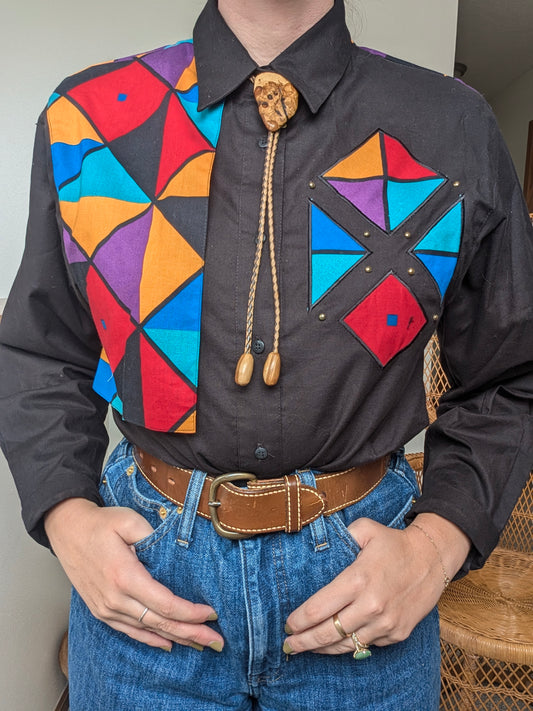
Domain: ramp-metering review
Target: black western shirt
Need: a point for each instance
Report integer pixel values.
(397, 211)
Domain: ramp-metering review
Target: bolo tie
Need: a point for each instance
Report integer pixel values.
(277, 101)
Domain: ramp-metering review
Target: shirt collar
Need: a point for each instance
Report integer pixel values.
(314, 63)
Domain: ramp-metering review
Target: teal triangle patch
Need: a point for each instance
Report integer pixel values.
(327, 269)
(103, 176)
(180, 347)
(405, 197)
(445, 236)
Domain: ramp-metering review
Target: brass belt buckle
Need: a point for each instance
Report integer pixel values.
(214, 504)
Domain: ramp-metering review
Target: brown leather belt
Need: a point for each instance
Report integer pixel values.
(265, 505)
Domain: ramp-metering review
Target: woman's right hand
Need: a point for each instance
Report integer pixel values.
(95, 547)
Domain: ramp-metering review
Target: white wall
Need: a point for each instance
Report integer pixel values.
(41, 43)
(514, 110)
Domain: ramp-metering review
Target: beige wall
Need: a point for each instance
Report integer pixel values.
(514, 111)
(41, 42)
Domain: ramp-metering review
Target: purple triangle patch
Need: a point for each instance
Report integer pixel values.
(366, 196)
(120, 260)
(72, 251)
(170, 62)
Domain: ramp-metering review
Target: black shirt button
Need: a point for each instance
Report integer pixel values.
(258, 346)
(263, 142)
(261, 453)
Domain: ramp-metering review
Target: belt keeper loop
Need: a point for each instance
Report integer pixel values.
(293, 499)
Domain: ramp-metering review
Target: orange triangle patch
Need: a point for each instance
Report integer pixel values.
(169, 261)
(365, 162)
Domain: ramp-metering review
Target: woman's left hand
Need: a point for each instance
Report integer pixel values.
(393, 584)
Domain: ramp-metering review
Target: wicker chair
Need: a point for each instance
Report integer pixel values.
(487, 617)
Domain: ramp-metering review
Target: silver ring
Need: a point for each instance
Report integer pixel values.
(143, 613)
(361, 650)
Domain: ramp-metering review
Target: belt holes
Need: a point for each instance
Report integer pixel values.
(171, 481)
(153, 469)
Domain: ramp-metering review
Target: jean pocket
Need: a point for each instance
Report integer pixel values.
(123, 484)
(387, 504)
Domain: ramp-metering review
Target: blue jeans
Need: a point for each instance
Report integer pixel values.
(253, 584)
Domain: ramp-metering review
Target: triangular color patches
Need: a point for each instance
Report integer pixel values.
(166, 397)
(181, 141)
(383, 180)
(405, 197)
(438, 250)
(334, 252)
(169, 261)
(126, 98)
(120, 260)
(193, 179)
(170, 62)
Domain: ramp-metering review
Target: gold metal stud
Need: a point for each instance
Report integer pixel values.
(104, 481)
(410, 271)
(366, 234)
(407, 234)
(368, 270)
(435, 317)
(163, 512)
(312, 184)
(456, 184)
(180, 509)
(321, 317)
(130, 470)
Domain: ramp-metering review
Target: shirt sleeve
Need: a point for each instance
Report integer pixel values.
(51, 421)
(479, 450)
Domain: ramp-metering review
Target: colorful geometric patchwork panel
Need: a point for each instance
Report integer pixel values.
(334, 252)
(439, 249)
(387, 320)
(132, 159)
(383, 181)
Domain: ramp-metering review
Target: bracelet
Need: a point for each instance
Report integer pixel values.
(447, 580)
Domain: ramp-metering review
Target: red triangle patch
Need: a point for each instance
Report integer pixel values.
(121, 100)
(166, 397)
(181, 141)
(112, 322)
(400, 163)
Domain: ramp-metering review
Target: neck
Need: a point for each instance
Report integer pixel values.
(267, 27)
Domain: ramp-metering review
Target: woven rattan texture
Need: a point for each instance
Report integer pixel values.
(487, 617)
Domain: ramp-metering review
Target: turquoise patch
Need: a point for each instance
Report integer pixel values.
(405, 197)
(103, 176)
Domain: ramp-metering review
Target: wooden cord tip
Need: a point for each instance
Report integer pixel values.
(272, 369)
(244, 369)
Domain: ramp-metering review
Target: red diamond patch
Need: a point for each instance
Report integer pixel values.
(387, 320)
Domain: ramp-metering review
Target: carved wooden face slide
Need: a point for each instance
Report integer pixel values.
(276, 98)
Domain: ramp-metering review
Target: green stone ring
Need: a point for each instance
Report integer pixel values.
(361, 650)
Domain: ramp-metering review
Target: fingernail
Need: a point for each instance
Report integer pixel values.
(166, 649)
(198, 647)
(287, 649)
(288, 630)
(213, 617)
(216, 646)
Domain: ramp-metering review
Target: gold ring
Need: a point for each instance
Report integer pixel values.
(143, 613)
(340, 629)
(361, 650)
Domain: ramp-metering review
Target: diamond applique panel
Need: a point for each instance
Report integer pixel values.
(438, 250)
(387, 320)
(383, 181)
(334, 252)
(132, 160)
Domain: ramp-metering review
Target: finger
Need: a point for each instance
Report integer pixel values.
(326, 602)
(321, 636)
(183, 632)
